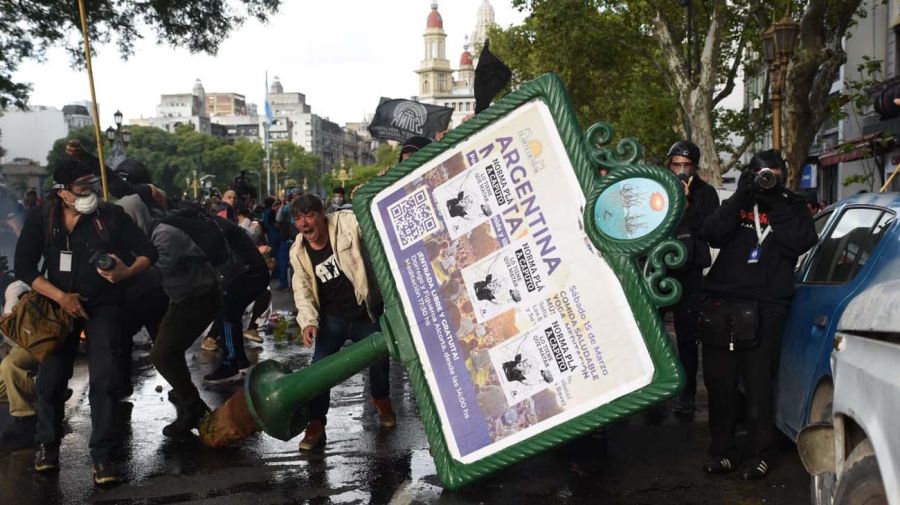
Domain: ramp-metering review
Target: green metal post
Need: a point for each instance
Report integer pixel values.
(279, 400)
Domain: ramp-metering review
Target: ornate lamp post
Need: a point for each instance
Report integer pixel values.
(779, 42)
(118, 134)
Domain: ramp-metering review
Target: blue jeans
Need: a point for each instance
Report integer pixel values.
(333, 332)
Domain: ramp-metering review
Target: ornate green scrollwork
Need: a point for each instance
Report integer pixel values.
(627, 151)
(668, 254)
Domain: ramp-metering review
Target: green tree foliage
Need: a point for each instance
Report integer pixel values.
(386, 156)
(172, 158)
(29, 27)
(607, 59)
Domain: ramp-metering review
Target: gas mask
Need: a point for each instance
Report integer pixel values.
(85, 204)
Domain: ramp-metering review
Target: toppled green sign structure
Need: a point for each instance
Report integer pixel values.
(521, 289)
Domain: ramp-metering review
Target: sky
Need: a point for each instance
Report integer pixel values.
(343, 54)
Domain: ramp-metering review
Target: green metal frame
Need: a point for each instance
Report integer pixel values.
(646, 289)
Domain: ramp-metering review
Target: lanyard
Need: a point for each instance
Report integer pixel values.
(760, 234)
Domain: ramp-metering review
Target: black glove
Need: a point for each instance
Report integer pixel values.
(744, 192)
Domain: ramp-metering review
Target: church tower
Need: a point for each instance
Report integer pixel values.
(484, 21)
(435, 75)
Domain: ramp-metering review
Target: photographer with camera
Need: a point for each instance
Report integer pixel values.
(701, 200)
(760, 231)
(88, 248)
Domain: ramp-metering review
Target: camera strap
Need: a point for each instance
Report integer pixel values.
(761, 234)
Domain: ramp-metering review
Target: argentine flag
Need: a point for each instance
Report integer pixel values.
(268, 106)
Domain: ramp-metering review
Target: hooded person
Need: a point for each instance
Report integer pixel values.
(760, 232)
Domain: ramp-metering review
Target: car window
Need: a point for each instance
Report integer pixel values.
(820, 220)
(844, 252)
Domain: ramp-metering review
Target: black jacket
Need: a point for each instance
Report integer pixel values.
(701, 203)
(44, 236)
(731, 229)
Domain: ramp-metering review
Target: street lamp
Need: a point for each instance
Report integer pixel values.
(118, 134)
(778, 43)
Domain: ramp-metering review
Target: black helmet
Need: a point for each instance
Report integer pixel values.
(133, 171)
(687, 149)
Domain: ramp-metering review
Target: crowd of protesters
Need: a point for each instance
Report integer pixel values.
(183, 270)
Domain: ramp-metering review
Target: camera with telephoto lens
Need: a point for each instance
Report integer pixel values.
(766, 179)
(102, 261)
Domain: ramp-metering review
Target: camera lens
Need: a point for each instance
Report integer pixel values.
(766, 179)
(102, 261)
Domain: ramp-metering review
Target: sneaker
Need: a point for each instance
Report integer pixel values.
(386, 416)
(718, 466)
(754, 468)
(252, 335)
(225, 374)
(209, 344)
(106, 474)
(314, 438)
(46, 458)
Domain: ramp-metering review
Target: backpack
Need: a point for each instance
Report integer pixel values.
(37, 324)
(204, 232)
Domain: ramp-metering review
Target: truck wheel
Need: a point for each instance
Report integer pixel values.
(860, 484)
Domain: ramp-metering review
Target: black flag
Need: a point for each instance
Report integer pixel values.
(398, 119)
(491, 76)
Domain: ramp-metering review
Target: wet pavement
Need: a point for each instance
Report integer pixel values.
(645, 460)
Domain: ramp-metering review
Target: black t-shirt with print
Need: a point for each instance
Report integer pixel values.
(336, 294)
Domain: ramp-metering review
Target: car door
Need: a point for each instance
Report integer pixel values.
(828, 278)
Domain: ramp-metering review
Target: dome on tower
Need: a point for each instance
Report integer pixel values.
(198, 88)
(465, 60)
(434, 18)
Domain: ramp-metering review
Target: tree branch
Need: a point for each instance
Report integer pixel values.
(673, 58)
(710, 54)
(732, 72)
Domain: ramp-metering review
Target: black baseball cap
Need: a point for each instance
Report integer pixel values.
(70, 171)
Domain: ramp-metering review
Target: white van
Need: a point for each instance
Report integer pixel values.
(856, 458)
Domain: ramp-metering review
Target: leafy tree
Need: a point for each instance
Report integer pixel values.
(29, 27)
(296, 162)
(607, 60)
(386, 156)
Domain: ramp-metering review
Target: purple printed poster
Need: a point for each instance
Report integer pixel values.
(519, 322)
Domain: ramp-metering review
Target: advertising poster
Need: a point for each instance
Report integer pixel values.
(518, 321)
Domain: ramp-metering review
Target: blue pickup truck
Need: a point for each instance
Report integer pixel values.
(859, 239)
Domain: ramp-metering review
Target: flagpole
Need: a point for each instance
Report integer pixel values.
(90, 71)
(267, 110)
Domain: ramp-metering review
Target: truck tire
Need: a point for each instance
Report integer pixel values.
(861, 484)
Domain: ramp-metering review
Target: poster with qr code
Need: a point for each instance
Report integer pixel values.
(519, 322)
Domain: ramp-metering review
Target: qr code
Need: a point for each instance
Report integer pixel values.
(413, 218)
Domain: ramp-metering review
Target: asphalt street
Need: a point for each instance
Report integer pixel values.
(648, 459)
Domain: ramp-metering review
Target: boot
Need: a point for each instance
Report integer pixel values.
(386, 416)
(19, 434)
(189, 414)
(314, 437)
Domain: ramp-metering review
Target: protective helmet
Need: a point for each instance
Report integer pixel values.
(687, 149)
(133, 171)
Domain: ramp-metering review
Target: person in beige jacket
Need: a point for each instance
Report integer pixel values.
(337, 300)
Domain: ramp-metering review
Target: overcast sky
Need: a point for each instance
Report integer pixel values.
(342, 54)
